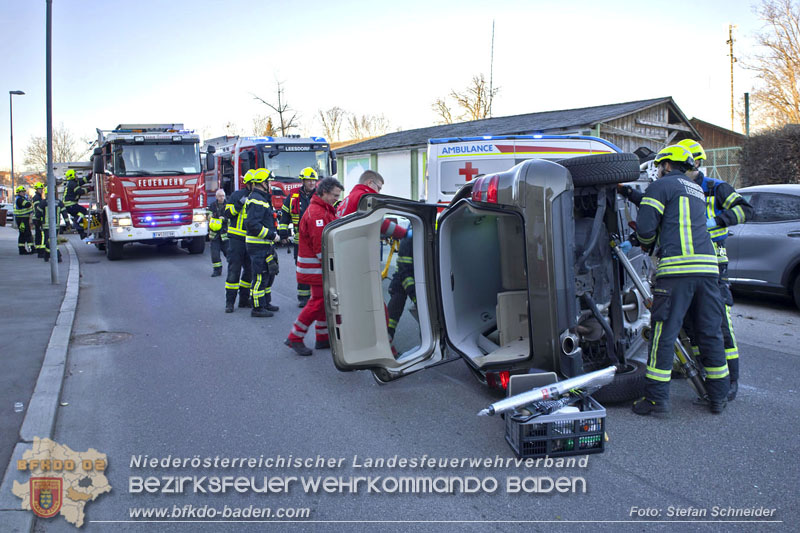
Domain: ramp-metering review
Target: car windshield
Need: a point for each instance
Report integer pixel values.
(289, 164)
(156, 159)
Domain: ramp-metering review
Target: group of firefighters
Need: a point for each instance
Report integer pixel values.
(686, 215)
(245, 229)
(33, 219)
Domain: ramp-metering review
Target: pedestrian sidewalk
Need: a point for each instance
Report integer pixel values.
(29, 308)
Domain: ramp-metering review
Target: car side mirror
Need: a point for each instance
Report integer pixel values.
(334, 164)
(97, 162)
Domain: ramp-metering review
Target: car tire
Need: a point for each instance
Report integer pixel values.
(197, 245)
(628, 385)
(796, 290)
(602, 169)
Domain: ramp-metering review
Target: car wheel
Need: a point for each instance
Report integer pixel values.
(197, 245)
(602, 169)
(628, 385)
(796, 291)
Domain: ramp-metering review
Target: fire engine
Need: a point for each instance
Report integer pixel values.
(285, 157)
(148, 187)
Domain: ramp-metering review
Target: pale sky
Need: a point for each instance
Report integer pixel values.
(197, 62)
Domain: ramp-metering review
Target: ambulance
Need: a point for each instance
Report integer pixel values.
(456, 161)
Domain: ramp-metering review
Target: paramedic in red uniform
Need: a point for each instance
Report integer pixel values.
(370, 182)
(319, 213)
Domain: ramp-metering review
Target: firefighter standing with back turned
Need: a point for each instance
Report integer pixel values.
(724, 208)
(22, 215)
(44, 215)
(672, 214)
(292, 211)
(217, 232)
(74, 188)
(38, 237)
(261, 233)
(239, 268)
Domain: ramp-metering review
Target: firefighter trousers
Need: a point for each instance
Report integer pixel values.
(25, 239)
(728, 337)
(46, 243)
(218, 244)
(676, 297)
(303, 289)
(78, 214)
(261, 255)
(239, 272)
(400, 289)
(314, 311)
(38, 236)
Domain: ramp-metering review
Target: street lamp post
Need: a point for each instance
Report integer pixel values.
(11, 118)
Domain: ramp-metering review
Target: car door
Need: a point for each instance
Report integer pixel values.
(764, 246)
(360, 277)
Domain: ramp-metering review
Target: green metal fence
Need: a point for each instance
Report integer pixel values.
(723, 164)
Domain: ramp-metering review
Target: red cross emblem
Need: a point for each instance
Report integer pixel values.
(468, 171)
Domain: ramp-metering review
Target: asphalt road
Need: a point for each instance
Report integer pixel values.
(157, 368)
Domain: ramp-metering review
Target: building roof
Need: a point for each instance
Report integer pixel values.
(530, 123)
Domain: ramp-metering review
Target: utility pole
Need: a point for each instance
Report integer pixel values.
(733, 60)
(51, 177)
(491, 73)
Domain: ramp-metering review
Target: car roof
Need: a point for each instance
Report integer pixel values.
(788, 188)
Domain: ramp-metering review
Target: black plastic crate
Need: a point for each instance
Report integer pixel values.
(559, 434)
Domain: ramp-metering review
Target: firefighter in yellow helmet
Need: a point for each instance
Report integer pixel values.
(672, 212)
(291, 212)
(74, 188)
(724, 208)
(261, 235)
(217, 232)
(22, 215)
(239, 268)
(44, 215)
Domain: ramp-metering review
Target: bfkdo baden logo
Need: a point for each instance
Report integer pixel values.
(46, 495)
(62, 481)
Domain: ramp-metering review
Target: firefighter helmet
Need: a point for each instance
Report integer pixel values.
(69, 174)
(38, 185)
(261, 175)
(248, 176)
(675, 154)
(308, 173)
(215, 224)
(694, 147)
(20, 188)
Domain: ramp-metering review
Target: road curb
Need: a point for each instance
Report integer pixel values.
(41, 413)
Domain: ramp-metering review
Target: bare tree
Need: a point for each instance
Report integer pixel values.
(776, 101)
(367, 125)
(65, 148)
(286, 115)
(332, 120)
(262, 126)
(443, 111)
(474, 102)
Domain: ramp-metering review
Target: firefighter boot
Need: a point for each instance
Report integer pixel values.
(733, 390)
(302, 301)
(230, 299)
(244, 298)
(322, 345)
(260, 312)
(645, 407)
(715, 406)
(217, 272)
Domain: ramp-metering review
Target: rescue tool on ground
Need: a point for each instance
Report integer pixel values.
(598, 378)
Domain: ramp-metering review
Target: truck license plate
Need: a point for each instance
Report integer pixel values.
(157, 234)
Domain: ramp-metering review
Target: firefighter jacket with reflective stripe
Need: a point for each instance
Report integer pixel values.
(724, 205)
(234, 210)
(22, 208)
(35, 201)
(217, 210)
(73, 190)
(45, 216)
(292, 211)
(309, 250)
(259, 218)
(672, 214)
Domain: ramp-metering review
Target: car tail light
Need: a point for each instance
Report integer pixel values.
(498, 380)
(485, 189)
